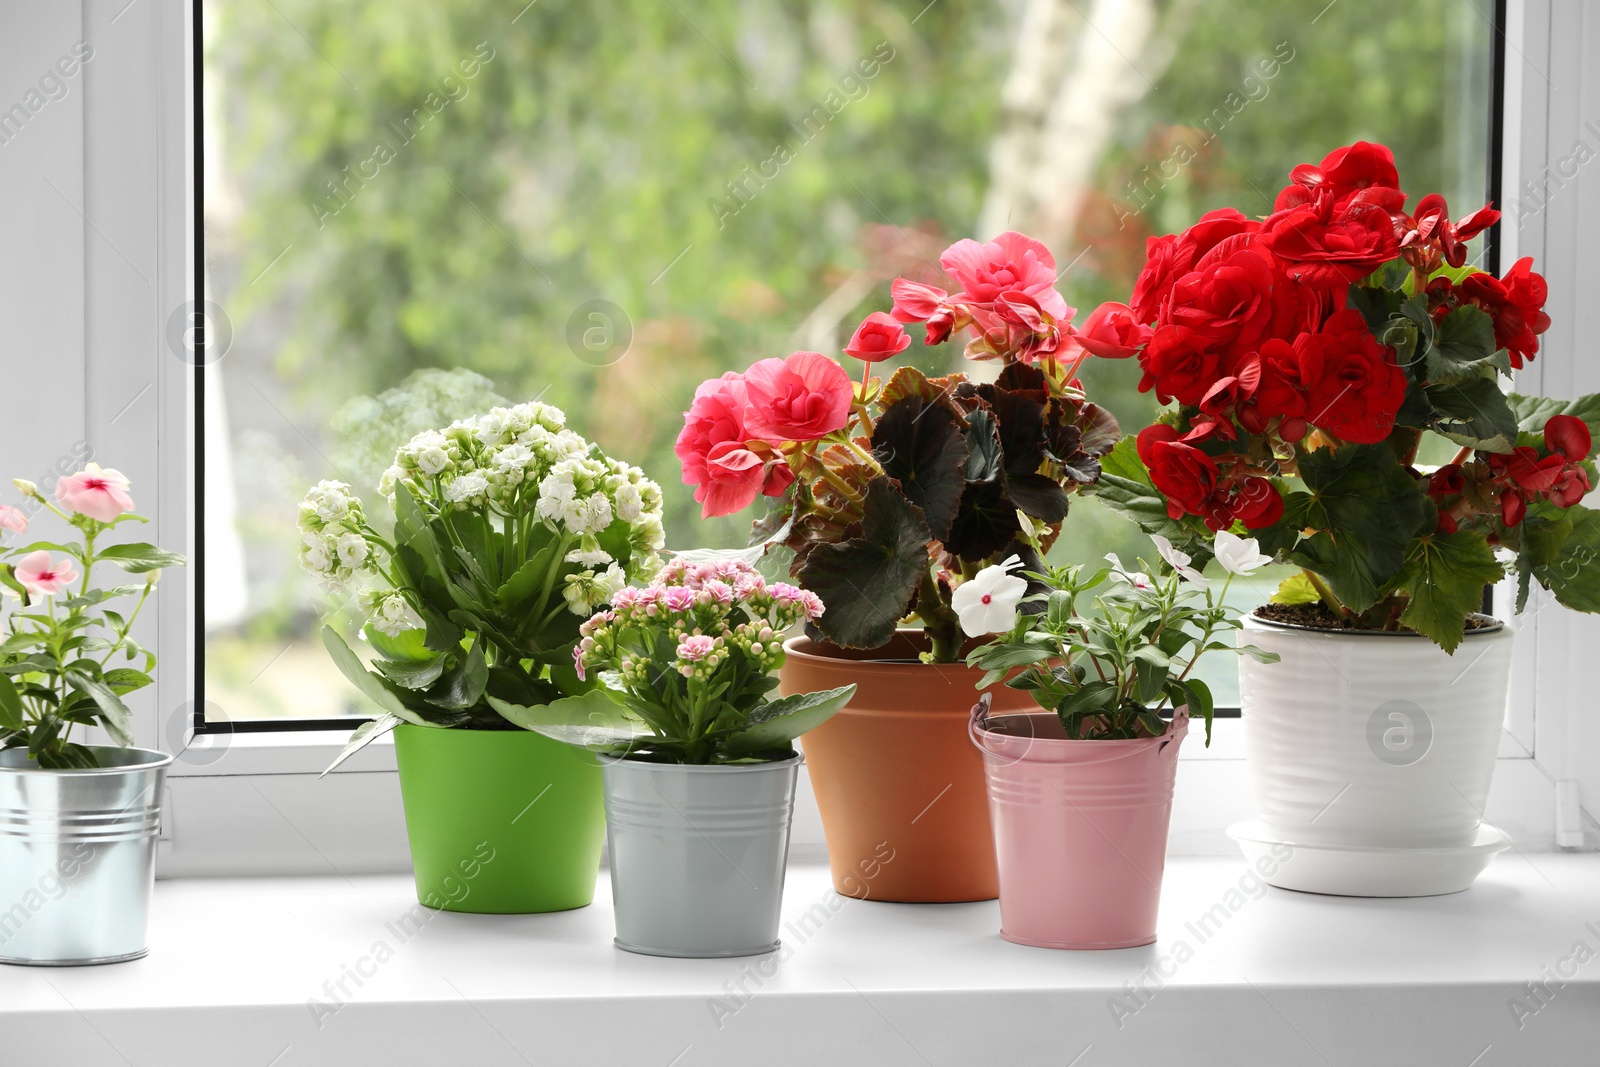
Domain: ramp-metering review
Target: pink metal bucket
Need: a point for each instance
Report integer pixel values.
(1080, 829)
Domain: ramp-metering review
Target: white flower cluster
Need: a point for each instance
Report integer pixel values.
(331, 544)
(523, 459)
(388, 612)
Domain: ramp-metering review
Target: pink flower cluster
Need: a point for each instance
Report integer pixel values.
(702, 612)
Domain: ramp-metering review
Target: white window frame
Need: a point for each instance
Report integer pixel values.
(253, 803)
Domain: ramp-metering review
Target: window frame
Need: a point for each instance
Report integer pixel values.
(248, 798)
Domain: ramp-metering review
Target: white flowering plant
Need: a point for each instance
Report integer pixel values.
(685, 667)
(509, 531)
(1107, 661)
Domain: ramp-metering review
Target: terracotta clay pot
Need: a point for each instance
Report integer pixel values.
(898, 781)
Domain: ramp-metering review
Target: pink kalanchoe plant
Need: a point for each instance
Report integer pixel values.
(891, 492)
(682, 670)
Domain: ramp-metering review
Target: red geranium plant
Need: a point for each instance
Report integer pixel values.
(891, 493)
(1307, 353)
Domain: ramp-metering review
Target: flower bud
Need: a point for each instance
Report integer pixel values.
(27, 487)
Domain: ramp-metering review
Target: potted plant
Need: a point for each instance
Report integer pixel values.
(1315, 357)
(698, 767)
(509, 531)
(78, 822)
(1081, 793)
(890, 494)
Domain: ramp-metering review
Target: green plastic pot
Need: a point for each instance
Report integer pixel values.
(500, 821)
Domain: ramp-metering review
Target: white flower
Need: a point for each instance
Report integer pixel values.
(467, 488)
(590, 555)
(315, 554)
(594, 515)
(1180, 560)
(352, 550)
(630, 503)
(391, 615)
(987, 602)
(431, 461)
(1137, 579)
(1239, 555)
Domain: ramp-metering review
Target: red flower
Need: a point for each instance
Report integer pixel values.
(1353, 387)
(1446, 481)
(1529, 471)
(1171, 257)
(1112, 332)
(1178, 362)
(1227, 298)
(877, 338)
(1568, 436)
(1185, 475)
(1326, 245)
(1346, 173)
(802, 398)
(1432, 224)
(1512, 507)
(1256, 503)
(1573, 487)
(1517, 304)
(915, 302)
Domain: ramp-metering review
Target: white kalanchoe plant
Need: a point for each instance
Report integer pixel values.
(510, 530)
(1107, 662)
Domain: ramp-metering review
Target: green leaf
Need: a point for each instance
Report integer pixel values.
(371, 687)
(1376, 304)
(778, 722)
(1197, 695)
(465, 685)
(407, 645)
(1574, 576)
(1464, 344)
(983, 447)
(867, 582)
(921, 446)
(1444, 580)
(139, 557)
(1533, 412)
(1368, 511)
(1149, 679)
(1296, 589)
(595, 720)
(1474, 413)
(125, 680)
(412, 674)
(367, 732)
(114, 715)
(1091, 697)
(10, 705)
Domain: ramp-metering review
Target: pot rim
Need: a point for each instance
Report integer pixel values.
(813, 651)
(718, 768)
(1252, 620)
(981, 724)
(154, 760)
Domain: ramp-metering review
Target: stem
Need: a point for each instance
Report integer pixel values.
(127, 625)
(1463, 455)
(938, 621)
(1324, 592)
(838, 483)
(550, 575)
(866, 456)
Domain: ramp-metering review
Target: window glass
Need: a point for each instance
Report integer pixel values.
(414, 208)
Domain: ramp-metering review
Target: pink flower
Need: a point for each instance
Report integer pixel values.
(877, 338)
(716, 591)
(625, 598)
(712, 449)
(696, 648)
(1112, 332)
(915, 302)
(577, 662)
(812, 604)
(13, 519)
(1011, 262)
(99, 494)
(784, 593)
(41, 577)
(678, 598)
(802, 398)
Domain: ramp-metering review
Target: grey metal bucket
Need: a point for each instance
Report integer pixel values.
(698, 854)
(78, 857)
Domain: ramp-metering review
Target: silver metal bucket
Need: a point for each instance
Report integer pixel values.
(698, 854)
(78, 857)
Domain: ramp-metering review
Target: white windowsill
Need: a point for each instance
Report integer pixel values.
(1283, 978)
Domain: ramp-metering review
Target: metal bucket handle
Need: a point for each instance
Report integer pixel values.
(979, 722)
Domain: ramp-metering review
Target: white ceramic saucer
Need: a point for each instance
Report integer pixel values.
(1357, 871)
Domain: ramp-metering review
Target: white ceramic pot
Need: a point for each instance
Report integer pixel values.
(1371, 755)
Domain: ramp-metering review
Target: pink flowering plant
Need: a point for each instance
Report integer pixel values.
(67, 658)
(893, 492)
(685, 668)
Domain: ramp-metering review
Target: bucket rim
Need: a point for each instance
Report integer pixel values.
(705, 768)
(1252, 621)
(155, 760)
